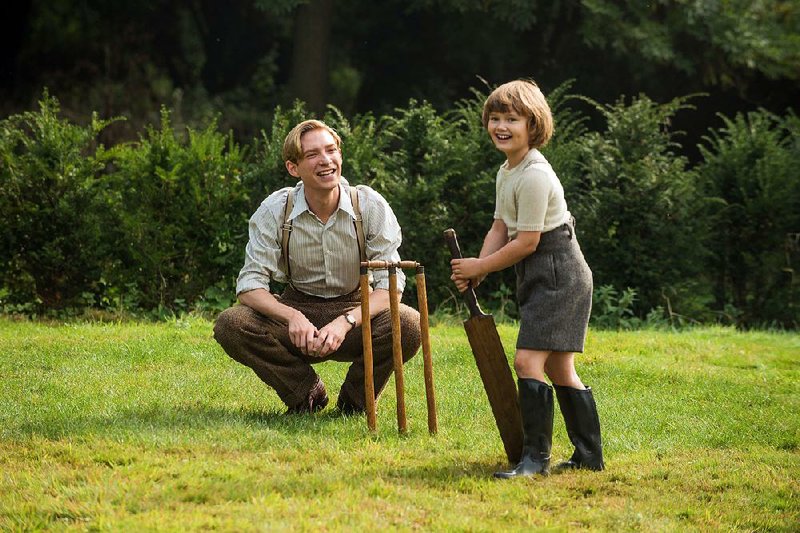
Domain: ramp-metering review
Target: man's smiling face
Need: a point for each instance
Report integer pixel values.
(320, 168)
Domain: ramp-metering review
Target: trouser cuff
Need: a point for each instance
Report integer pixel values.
(353, 395)
(301, 391)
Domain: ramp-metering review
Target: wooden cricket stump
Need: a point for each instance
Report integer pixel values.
(397, 352)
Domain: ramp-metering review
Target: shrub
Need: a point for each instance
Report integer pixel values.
(182, 222)
(750, 167)
(162, 223)
(639, 213)
(53, 250)
(465, 181)
(266, 172)
(614, 310)
(424, 180)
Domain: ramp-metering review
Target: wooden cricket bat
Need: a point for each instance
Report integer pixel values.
(490, 358)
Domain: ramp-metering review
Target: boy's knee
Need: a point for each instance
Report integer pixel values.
(530, 363)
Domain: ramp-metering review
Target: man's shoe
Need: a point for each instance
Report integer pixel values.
(316, 401)
(346, 407)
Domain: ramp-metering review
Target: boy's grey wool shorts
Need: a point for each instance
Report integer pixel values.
(554, 293)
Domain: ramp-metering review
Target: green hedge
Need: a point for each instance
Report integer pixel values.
(638, 205)
(55, 207)
(750, 169)
(159, 225)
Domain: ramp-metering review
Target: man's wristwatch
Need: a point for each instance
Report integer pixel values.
(350, 320)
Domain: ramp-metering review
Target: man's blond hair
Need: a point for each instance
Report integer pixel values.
(524, 97)
(293, 149)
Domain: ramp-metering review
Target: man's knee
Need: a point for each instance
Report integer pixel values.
(229, 324)
(411, 337)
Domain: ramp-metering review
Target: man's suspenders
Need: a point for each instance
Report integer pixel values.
(286, 229)
(358, 223)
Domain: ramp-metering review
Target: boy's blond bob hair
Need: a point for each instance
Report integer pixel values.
(524, 97)
(293, 149)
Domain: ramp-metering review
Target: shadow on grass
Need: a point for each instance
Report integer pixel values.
(182, 418)
(449, 474)
(456, 470)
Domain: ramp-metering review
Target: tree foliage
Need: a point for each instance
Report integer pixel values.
(722, 42)
(239, 60)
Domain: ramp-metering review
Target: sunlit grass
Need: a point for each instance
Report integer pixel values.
(137, 426)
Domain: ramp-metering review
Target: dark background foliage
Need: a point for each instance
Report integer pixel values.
(242, 58)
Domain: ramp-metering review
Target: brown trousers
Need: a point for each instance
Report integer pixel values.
(263, 344)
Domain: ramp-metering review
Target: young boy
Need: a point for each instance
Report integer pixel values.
(534, 231)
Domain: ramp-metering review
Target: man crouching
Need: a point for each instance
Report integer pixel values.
(307, 237)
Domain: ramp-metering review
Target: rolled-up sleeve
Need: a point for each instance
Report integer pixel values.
(263, 251)
(383, 238)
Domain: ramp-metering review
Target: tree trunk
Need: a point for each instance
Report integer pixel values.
(312, 30)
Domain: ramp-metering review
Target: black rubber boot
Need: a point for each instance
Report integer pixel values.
(536, 405)
(583, 428)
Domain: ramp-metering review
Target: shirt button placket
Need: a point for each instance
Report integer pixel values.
(326, 253)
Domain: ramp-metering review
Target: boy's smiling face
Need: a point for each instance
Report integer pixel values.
(509, 133)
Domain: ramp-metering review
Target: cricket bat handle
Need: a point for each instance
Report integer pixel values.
(469, 295)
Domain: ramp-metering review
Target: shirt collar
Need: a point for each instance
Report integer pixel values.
(532, 157)
(300, 204)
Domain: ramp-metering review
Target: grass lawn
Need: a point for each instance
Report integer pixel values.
(141, 426)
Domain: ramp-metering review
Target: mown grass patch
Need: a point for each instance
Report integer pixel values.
(138, 426)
